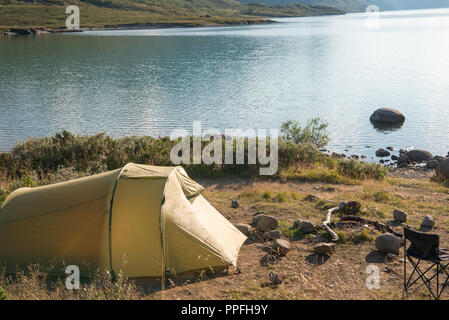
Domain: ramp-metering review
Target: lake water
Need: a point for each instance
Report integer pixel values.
(149, 82)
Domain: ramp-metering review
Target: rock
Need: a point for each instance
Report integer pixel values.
(256, 217)
(382, 153)
(391, 256)
(349, 207)
(297, 224)
(402, 165)
(391, 148)
(311, 198)
(246, 229)
(266, 223)
(281, 247)
(439, 158)
(399, 216)
(432, 164)
(338, 155)
(388, 243)
(427, 224)
(307, 227)
(234, 204)
(419, 155)
(275, 279)
(273, 234)
(403, 159)
(387, 115)
(394, 157)
(355, 157)
(443, 169)
(21, 31)
(324, 249)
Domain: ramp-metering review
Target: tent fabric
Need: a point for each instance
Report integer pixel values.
(140, 219)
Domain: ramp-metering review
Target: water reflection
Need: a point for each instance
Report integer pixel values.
(387, 127)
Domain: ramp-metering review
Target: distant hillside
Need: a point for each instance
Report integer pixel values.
(409, 4)
(344, 5)
(360, 5)
(19, 14)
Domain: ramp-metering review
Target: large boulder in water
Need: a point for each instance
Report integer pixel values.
(419, 155)
(387, 115)
(381, 153)
(443, 169)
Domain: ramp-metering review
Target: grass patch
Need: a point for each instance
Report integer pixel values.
(324, 205)
(355, 237)
(318, 173)
(290, 231)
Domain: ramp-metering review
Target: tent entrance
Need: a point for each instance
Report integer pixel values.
(135, 227)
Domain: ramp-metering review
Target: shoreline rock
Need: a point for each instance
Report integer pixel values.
(419, 155)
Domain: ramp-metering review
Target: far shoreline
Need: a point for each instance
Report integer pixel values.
(33, 31)
(136, 26)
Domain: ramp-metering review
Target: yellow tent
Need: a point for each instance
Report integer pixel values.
(140, 219)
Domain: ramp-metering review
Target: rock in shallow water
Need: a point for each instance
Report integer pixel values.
(387, 115)
(382, 153)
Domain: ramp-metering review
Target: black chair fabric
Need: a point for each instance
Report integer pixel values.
(423, 245)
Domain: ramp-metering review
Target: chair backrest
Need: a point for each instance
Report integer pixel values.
(423, 245)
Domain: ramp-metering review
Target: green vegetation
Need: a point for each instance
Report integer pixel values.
(3, 295)
(314, 132)
(65, 156)
(356, 237)
(20, 14)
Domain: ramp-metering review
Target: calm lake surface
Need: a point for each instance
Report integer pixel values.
(149, 82)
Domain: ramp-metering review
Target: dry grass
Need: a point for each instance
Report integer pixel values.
(36, 284)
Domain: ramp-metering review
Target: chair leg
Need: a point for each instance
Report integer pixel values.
(404, 292)
(443, 267)
(422, 276)
(438, 280)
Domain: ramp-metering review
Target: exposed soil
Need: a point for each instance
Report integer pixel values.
(305, 275)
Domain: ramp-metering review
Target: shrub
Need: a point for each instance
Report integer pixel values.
(361, 170)
(314, 132)
(3, 295)
(66, 156)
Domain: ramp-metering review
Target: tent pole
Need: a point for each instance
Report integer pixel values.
(110, 222)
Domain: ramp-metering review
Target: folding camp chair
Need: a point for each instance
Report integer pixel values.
(425, 247)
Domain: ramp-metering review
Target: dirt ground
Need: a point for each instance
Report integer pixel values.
(305, 275)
